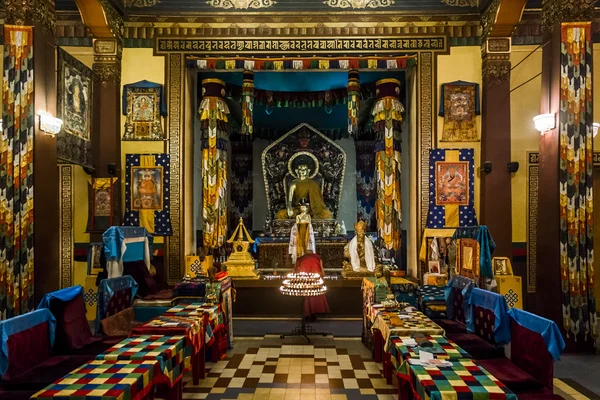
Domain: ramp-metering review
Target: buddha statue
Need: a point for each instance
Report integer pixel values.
(359, 255)
(302, 237)
(304, 187)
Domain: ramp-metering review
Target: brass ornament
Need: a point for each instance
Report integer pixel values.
(30, 12)
(241, 4)
(359, 3)
(554, 11)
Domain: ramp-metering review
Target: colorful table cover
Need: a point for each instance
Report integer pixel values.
(443, 349)
(463, 380)
(104, 380)
(167, 350)
(417, 323)
(197, 311)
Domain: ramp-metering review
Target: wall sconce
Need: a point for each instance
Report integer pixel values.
(49, 125)
(545, 122)
(595, 127)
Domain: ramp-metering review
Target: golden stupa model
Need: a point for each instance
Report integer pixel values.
(240, 263)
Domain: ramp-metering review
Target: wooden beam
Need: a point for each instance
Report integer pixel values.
(501, 18)
(95, 17)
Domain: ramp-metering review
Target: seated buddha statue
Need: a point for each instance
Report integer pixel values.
(359, 255)
(304, 187)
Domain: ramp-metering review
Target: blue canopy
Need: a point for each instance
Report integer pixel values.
(66, 294)
(497, 304)
(548, 329)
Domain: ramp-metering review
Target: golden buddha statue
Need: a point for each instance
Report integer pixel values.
(359, 255)
(304, 187)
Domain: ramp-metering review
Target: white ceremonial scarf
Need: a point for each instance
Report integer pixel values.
(369, 254)
(435, 250)
(294, 241)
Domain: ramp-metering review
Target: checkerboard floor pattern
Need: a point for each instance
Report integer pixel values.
(271, 368)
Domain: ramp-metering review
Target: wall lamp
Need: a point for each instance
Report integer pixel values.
(545, 122)
(595, 127)
(48, 124)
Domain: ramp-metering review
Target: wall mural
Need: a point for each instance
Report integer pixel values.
(359, 3)
(73, 143)
(241, 4)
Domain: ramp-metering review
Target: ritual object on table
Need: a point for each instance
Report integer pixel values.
(303, 284)
(241, 264)
(390, 303)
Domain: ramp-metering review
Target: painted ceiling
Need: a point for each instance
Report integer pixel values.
(254, 6)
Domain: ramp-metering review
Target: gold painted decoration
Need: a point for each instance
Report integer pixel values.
(359, 3)
(241, 4)
(353, 101)
(462, 3)
(247, 103)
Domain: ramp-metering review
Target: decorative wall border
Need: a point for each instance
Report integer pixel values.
(175, 72)
(533, 158)
(66, 242)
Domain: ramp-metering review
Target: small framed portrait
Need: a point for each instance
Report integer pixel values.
(502, 266)
(147, 191)
(434, 266)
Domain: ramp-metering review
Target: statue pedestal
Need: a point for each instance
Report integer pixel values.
(323, 228)
(241, 267)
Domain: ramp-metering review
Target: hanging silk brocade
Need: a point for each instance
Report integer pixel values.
(247, 103)
(576, 181)
(213, 127)
(353, 101)
(387, 120)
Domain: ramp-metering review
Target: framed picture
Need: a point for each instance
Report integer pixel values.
(468, 258)
(502, 266)
(452, 183)
(434, 267)
(74, 102)
(147, 188)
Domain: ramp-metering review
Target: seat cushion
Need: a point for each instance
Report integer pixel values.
(512, 376)
(45, 373)
(98, 346)
(17, 394)
(119, 324)
(26, 349)
(72, 328)
(478, 348)
(451, 326)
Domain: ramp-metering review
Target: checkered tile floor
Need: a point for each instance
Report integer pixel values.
(271, 368)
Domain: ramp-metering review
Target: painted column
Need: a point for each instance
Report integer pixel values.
(496, 207)
(565, 210)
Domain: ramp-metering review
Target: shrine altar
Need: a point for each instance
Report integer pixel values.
(273, 253)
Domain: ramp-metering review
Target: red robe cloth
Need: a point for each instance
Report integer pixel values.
(311, 263)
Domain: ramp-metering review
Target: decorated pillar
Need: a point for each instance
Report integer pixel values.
(213, 127)
(26, 152)
(387, 120)
(353, 101)
(248, 103)
(565, 286)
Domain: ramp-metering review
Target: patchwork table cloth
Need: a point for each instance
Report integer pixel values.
(215, 317)
(463, 380)
(416, 323)
(102, 379)
(443, 349)
(190, 328)
(168, 351)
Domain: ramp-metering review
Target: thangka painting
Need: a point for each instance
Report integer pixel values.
(73, 143)
(102, 211)
(146, 193)
(143, 107)
(459, 104)
(451, 191)
(452, 181)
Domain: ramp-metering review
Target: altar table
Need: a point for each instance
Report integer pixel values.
(108, 380)
(168, 351)
(190, 328)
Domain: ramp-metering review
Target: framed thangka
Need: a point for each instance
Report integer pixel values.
(452, 181)
(143, 107)
(102, 211)
(459, 104)
(74, 87)
(147, 193)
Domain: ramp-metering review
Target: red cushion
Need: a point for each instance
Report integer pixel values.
(478, 348)
(45, 373)
(484, 320)
(120, 301)
(451, 326)
(72, 328)
(27, 349)
(512, 376)
(530, 353)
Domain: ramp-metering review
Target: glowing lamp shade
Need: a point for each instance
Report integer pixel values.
(595, 127)
(49, 124)
(544, 122)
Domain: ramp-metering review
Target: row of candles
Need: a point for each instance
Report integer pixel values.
(303, 284)
(303, 292)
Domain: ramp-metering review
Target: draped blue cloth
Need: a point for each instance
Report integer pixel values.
(114, 237)
(66, 294)
(107, 289)
(146, 85)
(497, 304)
(21, 323)
(546, 328)
(462, 283)
(486, 246)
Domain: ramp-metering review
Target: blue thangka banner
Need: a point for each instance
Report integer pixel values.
(147, 199)
(451, 190)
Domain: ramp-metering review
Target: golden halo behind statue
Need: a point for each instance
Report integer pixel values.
(303, 157)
